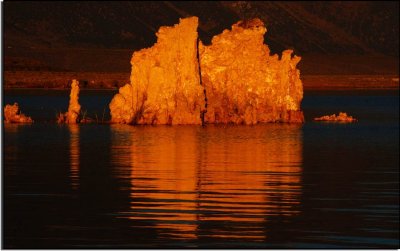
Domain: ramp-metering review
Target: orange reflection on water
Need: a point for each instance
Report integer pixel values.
(163, 178)
(219, 182)
(250, 174)
(74, 153)
(10, 149)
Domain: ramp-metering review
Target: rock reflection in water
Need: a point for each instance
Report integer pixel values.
(210, 183)
(74, 151)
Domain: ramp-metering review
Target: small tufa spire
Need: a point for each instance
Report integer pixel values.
(74, 108)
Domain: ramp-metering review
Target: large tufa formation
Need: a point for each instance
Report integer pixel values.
(165, 83)
(244, 84)
(74, 108)
(237, 77)
(12, 114)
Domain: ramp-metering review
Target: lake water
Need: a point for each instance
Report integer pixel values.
(316, 185)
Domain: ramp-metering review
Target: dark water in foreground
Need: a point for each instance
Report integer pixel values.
(318, 185)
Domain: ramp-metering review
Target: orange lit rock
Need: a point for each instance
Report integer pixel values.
(165, 85)
(12, 114)
(342, 117)
(244, 84)
(74, 108)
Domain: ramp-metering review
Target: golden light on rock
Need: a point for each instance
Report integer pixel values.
(342, 117)
(233, 80)
(244, 84)
(74, 108)
(12, 114)
(165, 86)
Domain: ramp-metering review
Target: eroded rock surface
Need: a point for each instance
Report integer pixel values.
(74, 108)
(165, 85)
(342, 117)
(12, 114)
(244, 84)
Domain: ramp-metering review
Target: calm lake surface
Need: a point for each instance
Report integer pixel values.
(316, 185)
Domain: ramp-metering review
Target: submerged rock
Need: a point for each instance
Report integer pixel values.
(342, 117)
(244, 84)
(74, 108)
(12, 114)
(165, 85)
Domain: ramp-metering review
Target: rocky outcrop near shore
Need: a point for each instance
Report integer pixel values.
(74, 108)
(165, 85)
(342, 117)
(244, 83)
(12, 114)
(233, 80)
